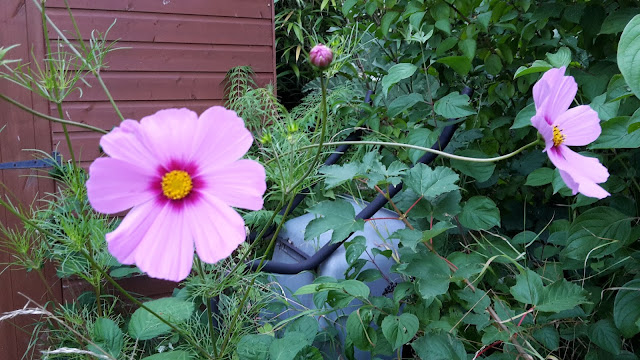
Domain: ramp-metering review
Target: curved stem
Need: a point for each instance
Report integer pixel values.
(438, 152)
(51, 118)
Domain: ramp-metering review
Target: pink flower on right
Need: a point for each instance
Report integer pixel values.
(562, 127)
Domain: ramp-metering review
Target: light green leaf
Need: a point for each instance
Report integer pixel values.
(338, 216)
(347, 6)
(411, 238)
(606, 110)
(387, 20)
(537, 67)
(561, 295)
(479, 171)
(354, 248)
(629, 54)
(480, 213)
(359, 331)
(431, 183)
(460, 64)
(254, 347)
(397, 73)
(454, 105)
(144, 326)
(402, 103)
(626, 312)
(420, 137)
(615, 134)
(606, 336)
(528, 288)
(339, 174)
(440, 346)
(171, 355)
(597, 232)
(400, 329)
(305, 325)
(560, 58)
(432, 273)
(539, 177)
(523, 119)
(287, 347)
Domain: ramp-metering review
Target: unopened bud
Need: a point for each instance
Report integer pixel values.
(321, 56)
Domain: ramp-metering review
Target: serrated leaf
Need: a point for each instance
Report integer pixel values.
(431, 183)
(539, 177)
(626, 312)
(528, 288)
(479, 171)
(441, 346)
(420, 137)
(305, 325)
(145, 326)
(628, 50)
(288, 346)
(561, 295)
(480, 213)
(400, 329)
(402, 103)
(597, 232)
(548, 336)
(337, 216)
(397, 73)
(108, 335)
(432, 273)
(453, 106)
(606, 336)
(339, 174)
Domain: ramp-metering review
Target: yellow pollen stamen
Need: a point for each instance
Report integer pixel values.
(176, 184)
(558, 138)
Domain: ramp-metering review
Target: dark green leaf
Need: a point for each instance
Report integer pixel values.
(561, 295)
(460, 64)
(523, 119)
(172, 355)
(616, 21)
(108, 336)
(606, 336)
(615, 134)
(440, 346)
(528, 288)
(144, 326)
(338, 216)
(431, 183)
(539, 177)
(453, 106)
(626, 312)
(399, 330)
(596, 233)
(396, 73)
(479, 171)
(480, 213)
(402, 103)
(288, 347)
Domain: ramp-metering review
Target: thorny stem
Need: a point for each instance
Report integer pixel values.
(429, 150)
(51, 118)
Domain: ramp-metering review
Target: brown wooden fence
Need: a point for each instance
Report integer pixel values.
(175, 54)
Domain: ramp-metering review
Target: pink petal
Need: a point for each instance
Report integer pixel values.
(116, 185)
(123, 242)
(217, 229)
(239, 184)
(169, 134)
(125, 142)
(568, 180)
(580, 125)
(553, 94)
(220, 137)
(584, 171)
(544, 129)
(166, 250)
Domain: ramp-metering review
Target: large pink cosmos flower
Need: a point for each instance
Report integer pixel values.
(562, 127)
(180, 174)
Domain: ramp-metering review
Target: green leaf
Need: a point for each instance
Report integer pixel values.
(387, 20)
(402, 103)
(539, 177)
(338, 216)
(397, 73)
(479, 171)
(170, 355)
(347, 6)
(560, 58)
(606, 110)
(523, 119)
(420, 137)
(145, 326)
(359, 331)
(596, 233)
(626, 312)
(339, 174)
(440, 346)
(561, 295)
(615, 134)
(478, 300)
(254, 347)
(616, 21)
(400, 329)
(288, 347)
(493, 64)
(480, 213)
(628, 50)
(411, 238)
(460, 64)
(432, 273)
(305, 325)
(528, 288)
(107, 335)
(354, 248)
(431, 183)
(453, 106)
(548, 336)
(537, 67)
(468, 48)
(606, 336)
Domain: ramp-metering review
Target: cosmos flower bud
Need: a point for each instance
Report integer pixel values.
(321, 56)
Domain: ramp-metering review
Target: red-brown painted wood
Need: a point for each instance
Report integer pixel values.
(234, 8)
(164, 28)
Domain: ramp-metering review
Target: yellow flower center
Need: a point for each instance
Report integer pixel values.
(558, 138)
(176, 184)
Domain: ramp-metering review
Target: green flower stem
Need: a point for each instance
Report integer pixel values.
(51, 118)
(93, 71)
(227, 336)
(437, 152)
(209, 310)
(66, 136)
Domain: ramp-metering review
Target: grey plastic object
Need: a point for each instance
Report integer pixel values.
(291, 247)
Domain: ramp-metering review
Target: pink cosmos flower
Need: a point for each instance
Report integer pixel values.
(321, 56)
(562, 127)
(180, 175)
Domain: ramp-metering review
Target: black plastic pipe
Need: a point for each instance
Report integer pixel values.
(369, 211)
